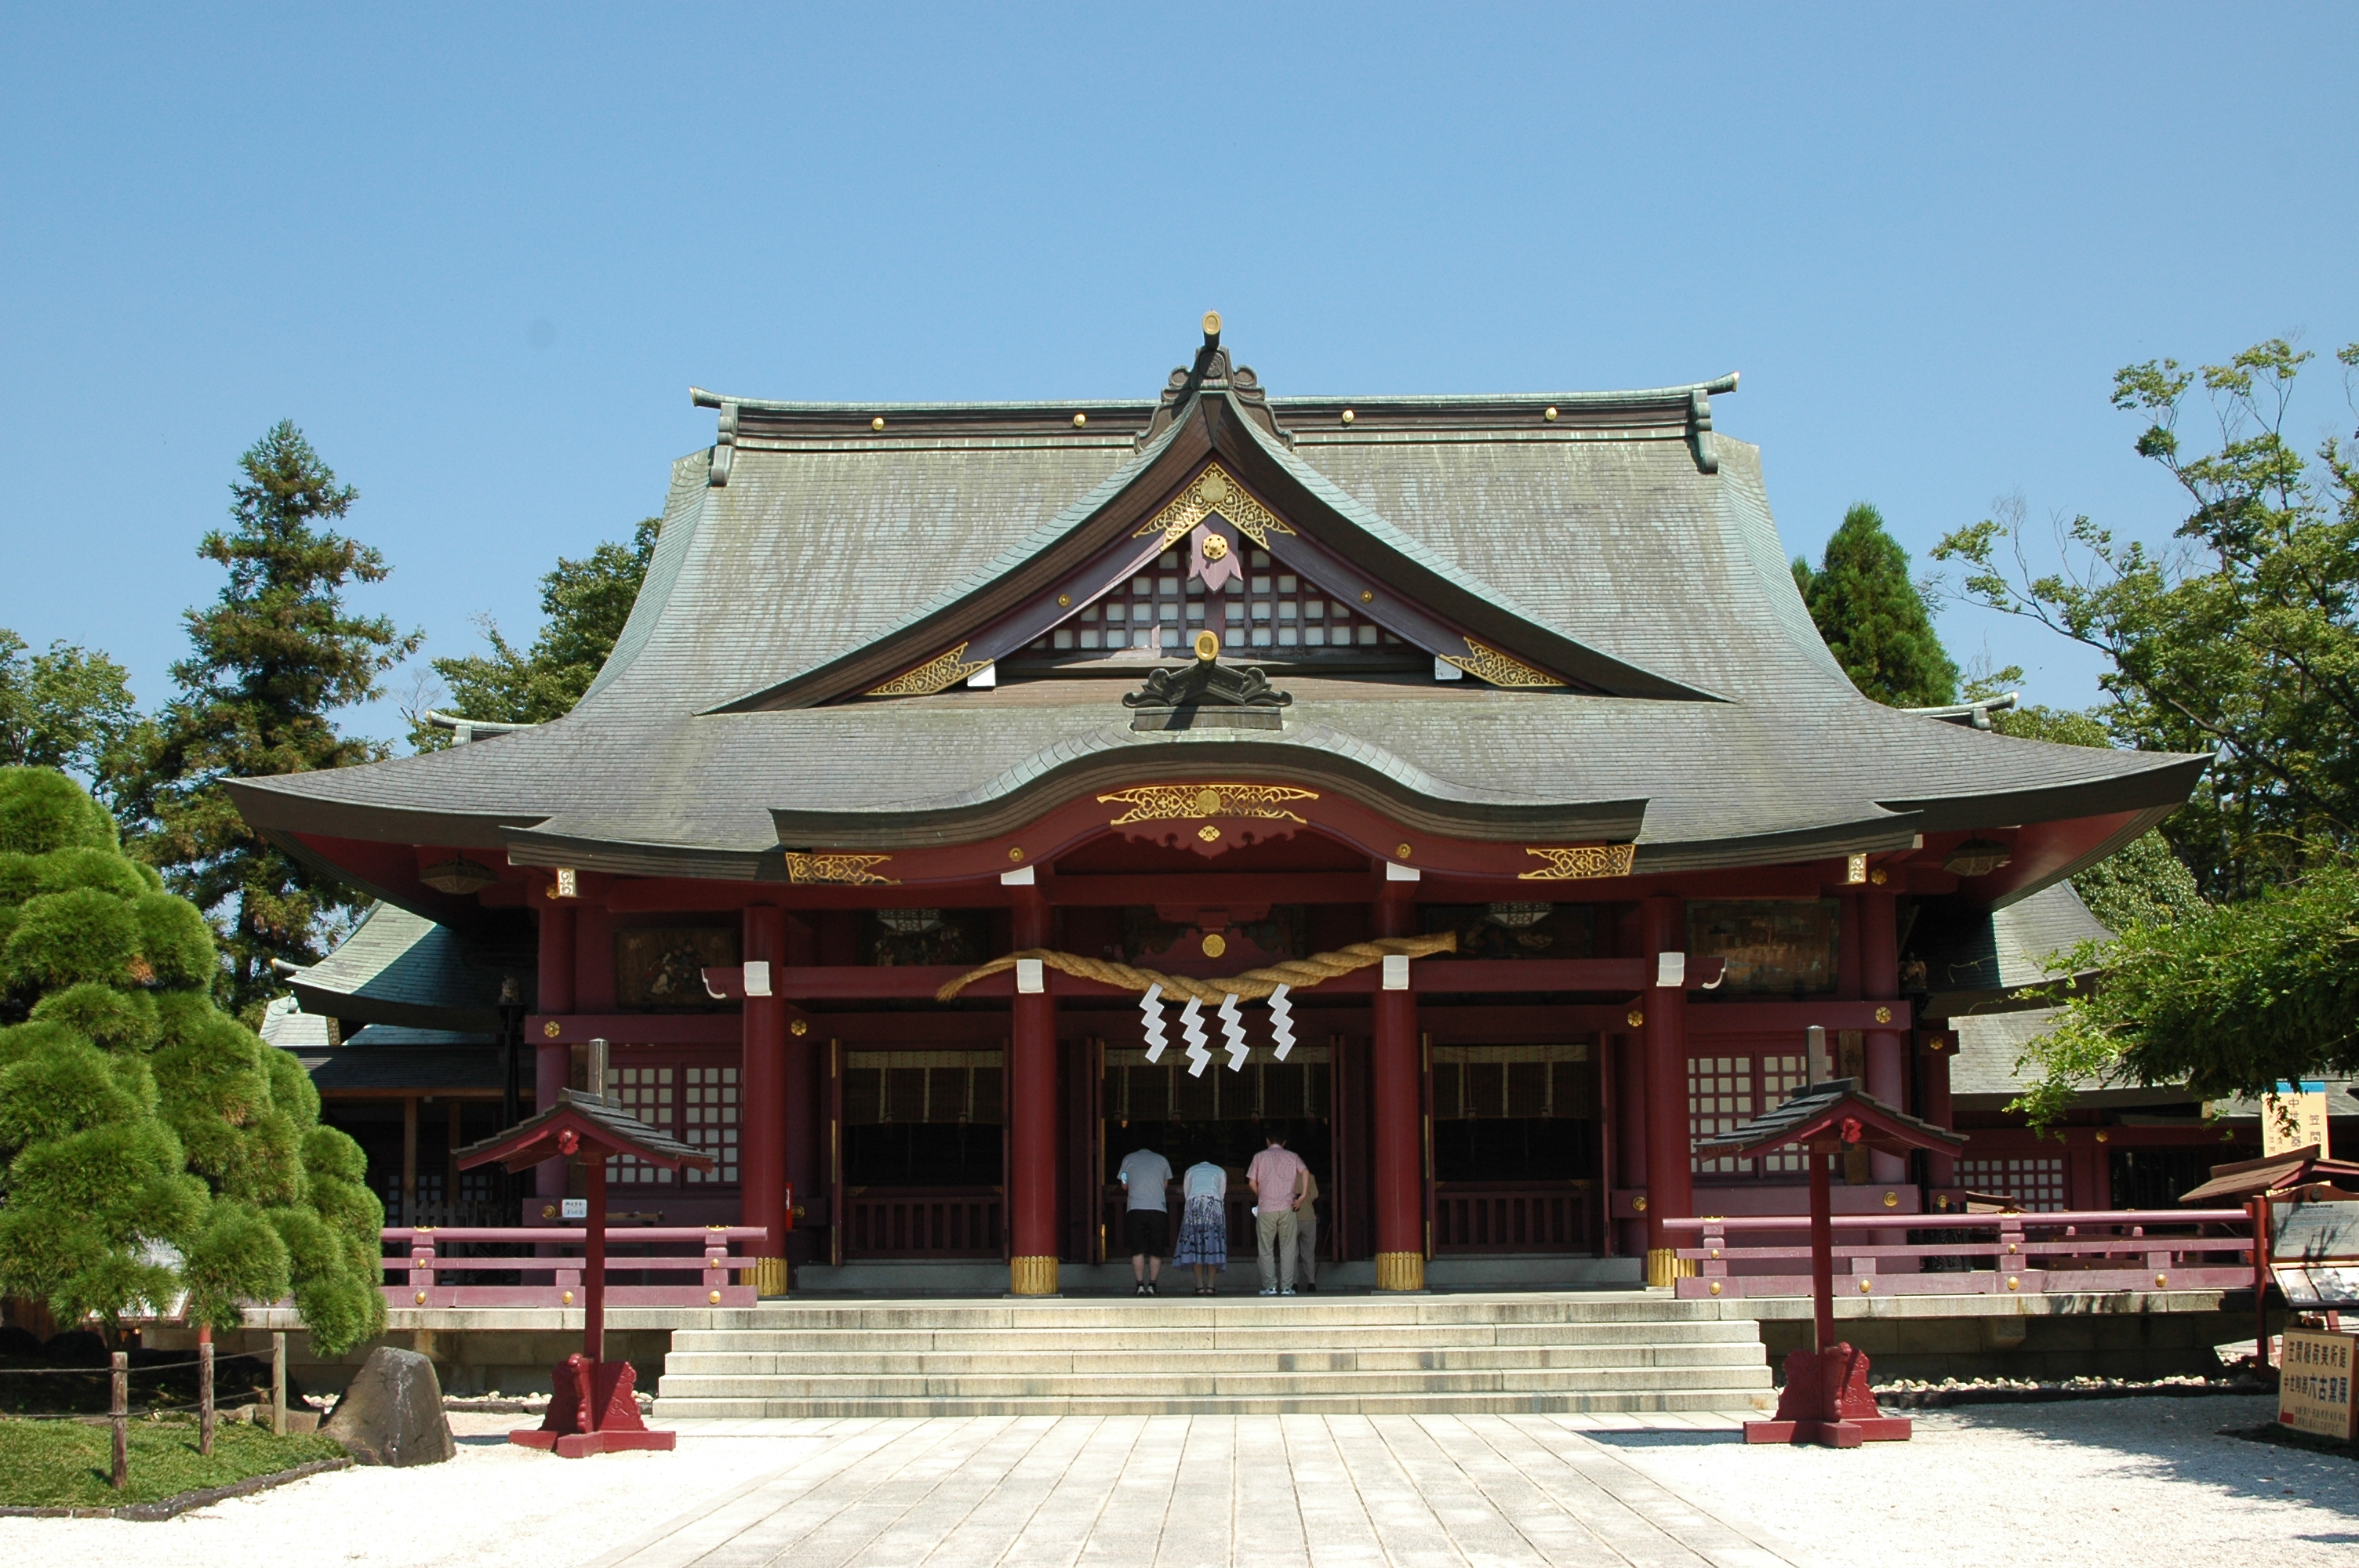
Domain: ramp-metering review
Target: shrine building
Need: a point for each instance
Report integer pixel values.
(1493, 730)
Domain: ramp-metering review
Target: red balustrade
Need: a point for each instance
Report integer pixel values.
(1510, 1216)
(923, 1222)
(551, 1273)
(1972, 1254)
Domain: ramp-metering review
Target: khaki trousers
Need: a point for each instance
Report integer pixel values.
(1278, 1233)
(1306, 1232)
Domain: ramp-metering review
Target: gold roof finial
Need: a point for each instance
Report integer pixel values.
(1208, 646)
(1211, 326)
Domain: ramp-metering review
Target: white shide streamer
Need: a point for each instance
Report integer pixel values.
(1281, 1024)
(1151, 1014)
(1233, 1024)
(1191, 1029)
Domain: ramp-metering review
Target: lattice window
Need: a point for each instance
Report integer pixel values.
(1724, 1092)
(645, 1093)
(2034, 1180)
(709, 1120)
(1165, 608)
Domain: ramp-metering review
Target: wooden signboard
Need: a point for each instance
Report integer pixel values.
(2315, 1256)
(2314, 1383)
(2292, 1118)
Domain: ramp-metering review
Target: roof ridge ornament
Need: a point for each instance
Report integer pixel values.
(1212, 372)
(1239, 697)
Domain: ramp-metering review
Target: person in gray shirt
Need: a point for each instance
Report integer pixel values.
(1145, 1177)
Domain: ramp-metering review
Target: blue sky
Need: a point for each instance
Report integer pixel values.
(480, 254)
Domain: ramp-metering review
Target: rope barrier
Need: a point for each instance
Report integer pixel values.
(132, 1372)
(1253, 985)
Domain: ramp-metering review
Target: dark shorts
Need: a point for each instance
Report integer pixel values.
(1145, 1232)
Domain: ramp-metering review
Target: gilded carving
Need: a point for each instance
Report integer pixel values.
(1210, 492)
(1164, 803)
(1580, 862)
(935, 675)
(856, 871)
(1486, 663)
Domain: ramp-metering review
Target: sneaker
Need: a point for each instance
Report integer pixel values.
(1286, 1292)
(1141, 1289)
(1272, 1290)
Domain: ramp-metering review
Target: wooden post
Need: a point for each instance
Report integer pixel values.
(762, 1105)
(2259, 1206)
(552, 1058)
(205, 1392)
(1396, 1115)
(1031, 1112)
(119, 1407)
(594, 1258)
(409, 1159)
(1886, 1054)
(1670, 1169)
(1822, 1254)
(278, 1384)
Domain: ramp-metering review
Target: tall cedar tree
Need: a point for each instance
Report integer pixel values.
(1873, 619)
(276, 654)
(586, 603)
(149, 1143)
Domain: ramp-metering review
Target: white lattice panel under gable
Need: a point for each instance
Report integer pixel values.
(2034, 1180)
(1165, 608)
(1725, 1092)
(709, 1120)
(645, 1093)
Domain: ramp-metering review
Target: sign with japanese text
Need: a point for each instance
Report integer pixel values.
(2294, 1118)
(2314, 1383)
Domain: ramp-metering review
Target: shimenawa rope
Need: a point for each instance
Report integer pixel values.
(1298, 974)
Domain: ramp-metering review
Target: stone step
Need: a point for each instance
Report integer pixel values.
(1240, 1311)
(1604, 1402)
(1166, 1360)
(1186, 1385)
(1025, 1342)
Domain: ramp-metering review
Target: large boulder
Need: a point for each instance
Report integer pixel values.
(393, 1412)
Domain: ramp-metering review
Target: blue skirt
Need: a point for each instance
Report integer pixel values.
(1203, 1234)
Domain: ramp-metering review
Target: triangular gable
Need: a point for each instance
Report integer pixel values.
(1215, 472)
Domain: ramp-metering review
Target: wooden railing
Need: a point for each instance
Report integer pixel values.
(922, 1222)
(1512, 1216)
(1973, 1254)
(547, 1267)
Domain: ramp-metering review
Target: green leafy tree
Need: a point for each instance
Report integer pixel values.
(275, 654)
(68, 707)
(1873, 619)
(586, 603)
(2243, 641)
(150, 1143)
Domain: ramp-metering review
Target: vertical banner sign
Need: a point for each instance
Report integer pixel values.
(2314, 1383)
(2292, 1118)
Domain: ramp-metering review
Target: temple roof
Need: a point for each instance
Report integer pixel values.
(1612, 542)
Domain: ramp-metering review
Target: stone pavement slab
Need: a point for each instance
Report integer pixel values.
(1292, 1491)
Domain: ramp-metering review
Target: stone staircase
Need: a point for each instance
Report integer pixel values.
(1582, 1351)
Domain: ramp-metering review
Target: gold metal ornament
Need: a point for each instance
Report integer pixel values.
(1638, 1203)
(1634, 1019)
(1579, 862)
(1208, 646)
(1165, 802)
(1713, 1287)
(1213, 488)
(1349, 417)
(1016, 853)
(552, 1029)
(1064, 601)
(1368, 596)
(937, 674)
(421, 1298)
(877, 423)
(800, 1027)
(1892, 1200)
(1214, 944)
(1208, 834)
(1883, 1015)
(838, 871)
(1549, 415)
(714, 1298)
(1879, 876)
(1080, 420)
(1402, 850)
(1216, 546)
(1865, 1285)
(1486, 663)
(1211, 323)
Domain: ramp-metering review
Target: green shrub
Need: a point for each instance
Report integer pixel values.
(116, 1019)
(291, 1089)
(237, 1258)
(66, 1087)
(175, 940)
(81, 867)
(42, 810)
(330, 1153)
(65, 938)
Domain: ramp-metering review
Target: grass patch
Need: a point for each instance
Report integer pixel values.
(64, 1464)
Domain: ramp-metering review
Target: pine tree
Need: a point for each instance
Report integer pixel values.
(1872, 618)
(150, 1143)
(586, 601)
(274, 656)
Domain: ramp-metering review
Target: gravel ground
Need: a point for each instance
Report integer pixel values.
(2073, 1484)
(496, 1505)
(2130, 1480)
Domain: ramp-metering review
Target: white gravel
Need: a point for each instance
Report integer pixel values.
(2133, 1481)
(2102, 1481)
(496, 1505)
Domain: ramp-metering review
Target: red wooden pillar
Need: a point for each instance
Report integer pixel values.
(1670, 1174)
(1940, 1167)
(1629, 1113)
(805, 1125)
(552, 1062)
(762, 1105)
(1879, 981)
(1398, 1119)
(1032, 1117)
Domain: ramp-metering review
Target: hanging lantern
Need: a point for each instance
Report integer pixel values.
(1978, 858)
(459, 877)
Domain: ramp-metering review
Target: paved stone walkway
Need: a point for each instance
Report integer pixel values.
(1179, 1492)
